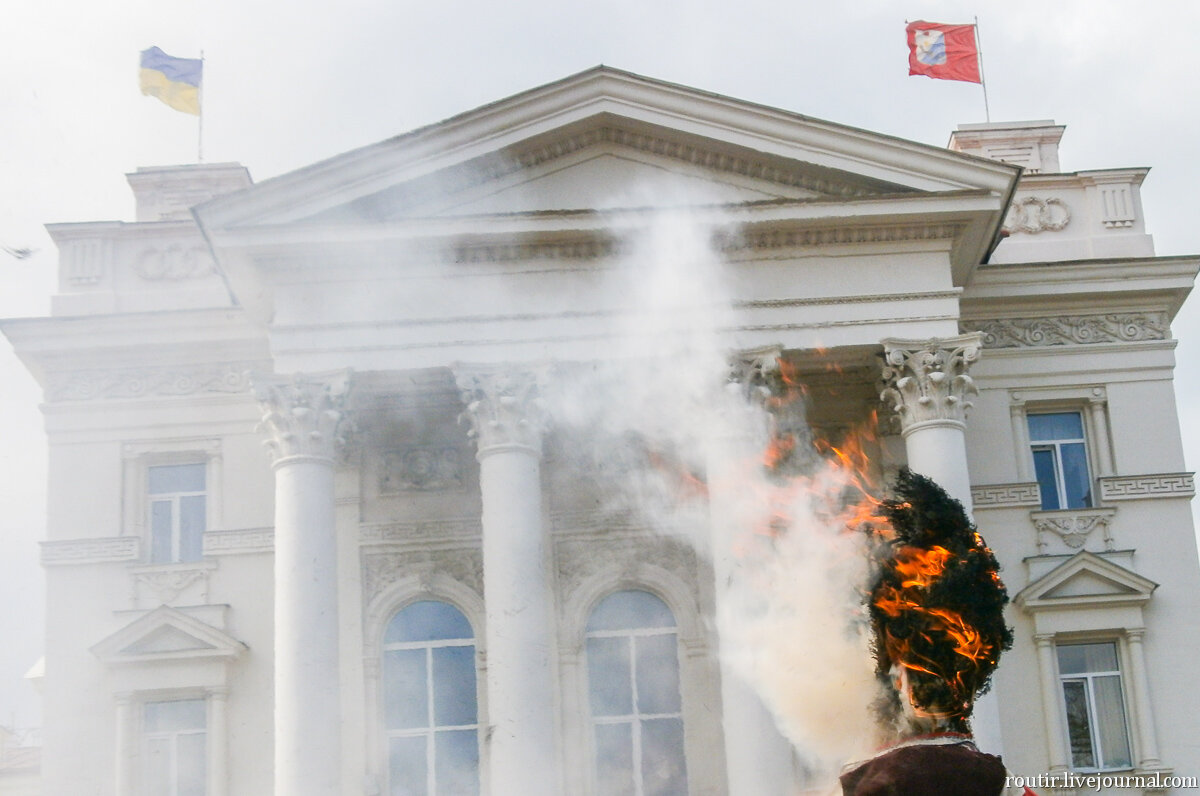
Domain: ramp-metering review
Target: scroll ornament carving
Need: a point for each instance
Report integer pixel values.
(504, 408)
(1071, 329)
(146, 382)
(173, 263)
(167, 584)
(1074, 529)
(303, 415)
(1031, 215)
(928, 381)
(380, 570)
(577, 560)
(421, 469)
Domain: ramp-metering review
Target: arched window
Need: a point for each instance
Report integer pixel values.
(430, 709)
(633, 682)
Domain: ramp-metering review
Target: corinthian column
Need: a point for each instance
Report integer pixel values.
(928, 386)
(301, 417)
(507, 421)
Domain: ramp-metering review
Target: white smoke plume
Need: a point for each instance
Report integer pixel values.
(662, 416)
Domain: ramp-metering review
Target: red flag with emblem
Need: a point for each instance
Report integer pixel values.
(945, 52)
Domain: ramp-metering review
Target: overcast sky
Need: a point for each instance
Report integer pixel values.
(287, 84)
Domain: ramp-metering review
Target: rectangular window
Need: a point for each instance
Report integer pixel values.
(174, 748)
(1097, 733)
(1060, 460)
(178, 507)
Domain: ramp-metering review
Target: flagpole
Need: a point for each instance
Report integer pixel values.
(200, 114)
(983, 82)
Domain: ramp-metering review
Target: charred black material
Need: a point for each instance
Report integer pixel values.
(928, 623)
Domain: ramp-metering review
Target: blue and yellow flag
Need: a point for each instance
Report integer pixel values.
(175, 81)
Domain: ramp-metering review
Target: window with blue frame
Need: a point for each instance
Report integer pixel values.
(1060, 460)
(636, 709)
(430, 703)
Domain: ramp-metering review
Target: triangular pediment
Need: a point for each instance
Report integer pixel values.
(167, 634)
(601, 139)
(1086, 579)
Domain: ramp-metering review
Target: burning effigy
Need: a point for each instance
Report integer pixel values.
(936, 605)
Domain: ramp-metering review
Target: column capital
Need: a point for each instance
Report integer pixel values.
(504, 407)
(926, 381)
(304, 415)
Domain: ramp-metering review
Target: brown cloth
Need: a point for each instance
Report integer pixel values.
(942, 769)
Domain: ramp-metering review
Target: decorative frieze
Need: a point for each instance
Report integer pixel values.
(129, 383)
(927, 381)
(422, 469)
(382, 569)
(1116, 200)
(1070, 329)
(1137, 487)
(828, 236)
(247, 540)
(100, 550)
(1073, 528)
(173, 262)
(504, 408)
(303, 415)
(1031, 215)
(419, 533)
(990, 496)
(577, 560)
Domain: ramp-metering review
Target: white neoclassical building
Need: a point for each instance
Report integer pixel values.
(439, 576)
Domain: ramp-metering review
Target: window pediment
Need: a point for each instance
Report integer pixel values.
(167, 634)
(1086, 579)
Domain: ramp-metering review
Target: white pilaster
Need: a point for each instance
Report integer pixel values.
(125, 741)
(928, 387)
(1147, 738)
(507, 421)
(302, 416)
(218, 742)
(1055, 737)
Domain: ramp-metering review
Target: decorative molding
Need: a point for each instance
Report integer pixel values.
(424, 468)
(1070, 329)
(825, 236)
(683, 152)
(927, 381)
(504, 408)
(1117, 204)
(100, 550)
(303, 414)
(86, 262)
(245, 540)
(420, 533)
(1073, 527)
(578, 559)
(1031, 215)
(463, 565)
(173, 262)
(86, 385)
(989, 496)
(592, 248)
(1137, 487)
(164, 583)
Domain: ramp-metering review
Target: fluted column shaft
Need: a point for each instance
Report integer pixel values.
(507, 420)
(302, 417)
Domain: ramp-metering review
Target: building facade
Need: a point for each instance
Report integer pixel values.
(340, 504)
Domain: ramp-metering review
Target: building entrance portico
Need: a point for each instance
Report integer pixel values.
(557, 398)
